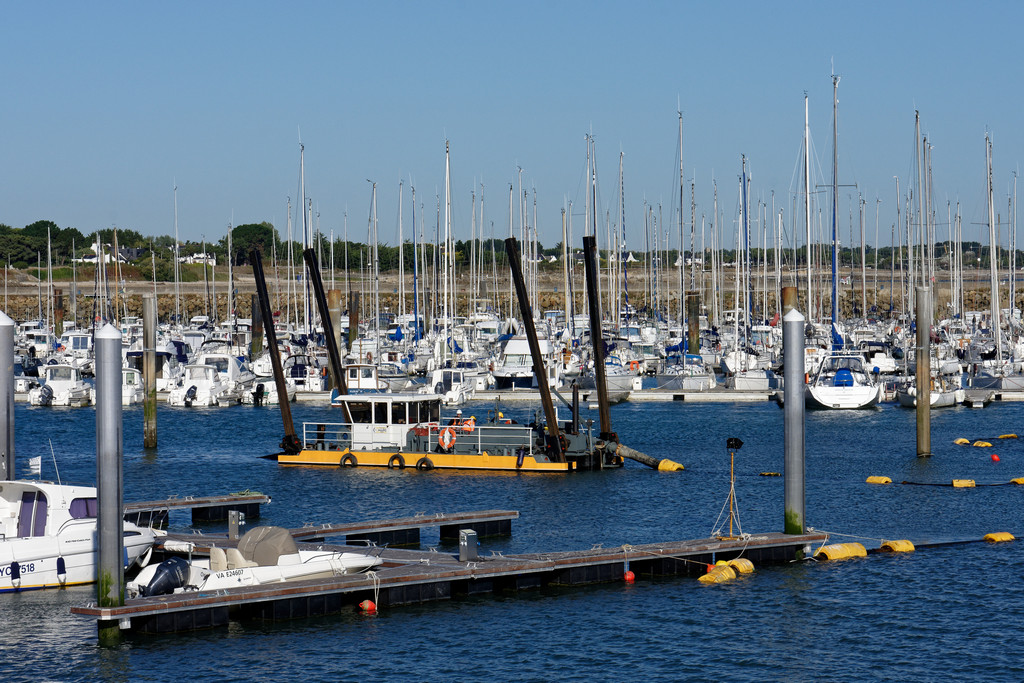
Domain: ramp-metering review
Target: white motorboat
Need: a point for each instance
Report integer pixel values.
(132, 391)
(264, 555)
(264, 392)
(201, 385)
(48, 536)
(62, 386)
(841, 383)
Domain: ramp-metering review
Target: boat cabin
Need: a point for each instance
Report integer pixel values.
(382, 421)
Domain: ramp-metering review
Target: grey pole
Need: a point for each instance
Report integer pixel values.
(149, 369)
(923, 375)
(7, 470)
(793, 360)
(110, 574)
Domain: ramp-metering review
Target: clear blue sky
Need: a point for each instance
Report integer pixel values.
(107, 105)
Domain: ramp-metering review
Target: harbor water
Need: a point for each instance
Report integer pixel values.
(943, 612)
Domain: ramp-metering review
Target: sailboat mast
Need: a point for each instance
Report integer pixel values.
(401, 255)
(415, 274)
(682, 257)
(177, 263)
(807, 208)
(993, 266)
(835, 199)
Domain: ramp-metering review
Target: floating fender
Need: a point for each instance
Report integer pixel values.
(1007, 436)
(962, 442)
(841, 551)
(396, 460)
(520, 456)
(667, 465)
(170, 574)
(981, 444)
(770, 474)
(62, 570)
(742, 565)
(15, 574)
(1018, 481)
(963, 483)
(999, 537)
(348, 460)
(719, 574)
(897, 546)
(424, 464)
(879, 480)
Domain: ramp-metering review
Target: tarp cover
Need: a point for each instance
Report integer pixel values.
(265, 544)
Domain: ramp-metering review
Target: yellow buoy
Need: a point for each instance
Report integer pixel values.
(719, 574)
(963, 483)
(879, 480)
(742, 565)
(1007, 436)
(982, 444)
(898, 546)
(999, 537)
(961, 441)
(669, 466)
(770, 474)
(841, 551)
(1018, 480)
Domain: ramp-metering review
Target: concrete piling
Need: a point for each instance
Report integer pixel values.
(149, 369)
(7, 470)
(793, 361)
(923, 376)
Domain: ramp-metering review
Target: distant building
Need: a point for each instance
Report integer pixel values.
(199, 258)
(93, 255)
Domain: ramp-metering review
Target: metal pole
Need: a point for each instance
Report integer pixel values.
(110, 572)
(6, 398)
(256, 346)
(793, 360)
(149, 369)
(334, 304)
(924, 373)
(554, 442)
(596, 339)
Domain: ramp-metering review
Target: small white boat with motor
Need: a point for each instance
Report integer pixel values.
(62, 386)
(48, 536)
(264, 555)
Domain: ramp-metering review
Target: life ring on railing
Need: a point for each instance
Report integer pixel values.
(467, 425)
(348, 460)
(396, 460)
(446, 439)
(634, 365)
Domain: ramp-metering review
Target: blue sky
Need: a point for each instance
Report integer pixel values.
(107, 105)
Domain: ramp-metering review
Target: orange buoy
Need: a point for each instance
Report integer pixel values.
(368, 607)
(995, 458)
(629, 576)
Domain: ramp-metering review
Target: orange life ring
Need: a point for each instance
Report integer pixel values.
(446, 439)
(634, 365)
(468, 425)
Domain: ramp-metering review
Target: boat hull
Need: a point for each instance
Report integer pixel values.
(460, 461)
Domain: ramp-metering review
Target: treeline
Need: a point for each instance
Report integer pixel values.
(25, 247)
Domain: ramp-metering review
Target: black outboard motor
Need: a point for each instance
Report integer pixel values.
(46, 395)
(190, 396)
(170, 574)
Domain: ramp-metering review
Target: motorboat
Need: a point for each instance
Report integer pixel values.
(62, 385)
(687, 372)
(48, 536)
(201, 385)
(264, 392)
(132, 390)
(842, 383)
(454, 387)
(264, 555)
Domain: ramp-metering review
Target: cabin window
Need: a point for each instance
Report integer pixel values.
(353, 373)
(398, 413)
(434, 409)
(129, 378)
(360, 411)
(84, 507)
(368, 372)
(380, 413)
(220, 363)
(32, 519)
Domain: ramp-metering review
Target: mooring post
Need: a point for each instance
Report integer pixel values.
(256, 346)
(110, 571)
(923, 376)
(793, 412)
(7, 398)
(149, 369)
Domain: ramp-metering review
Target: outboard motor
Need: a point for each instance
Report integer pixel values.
(257, 395)
(190, 396)
(46, 395)
(170, 574)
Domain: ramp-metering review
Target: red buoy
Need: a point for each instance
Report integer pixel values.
(629, 576)
(368, 607)
(995, 458)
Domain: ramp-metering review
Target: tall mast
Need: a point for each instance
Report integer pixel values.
(835, 200)
(447, 226)
(682, 258)
(807, 208)
(177, 262)
(401, 255)
(415, 274)
(993, 266)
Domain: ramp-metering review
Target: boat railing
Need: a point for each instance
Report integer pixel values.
(489, 437)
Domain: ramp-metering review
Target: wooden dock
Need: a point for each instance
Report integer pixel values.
(204, 508)
(415, 576)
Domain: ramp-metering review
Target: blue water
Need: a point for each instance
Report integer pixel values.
(946, 612)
